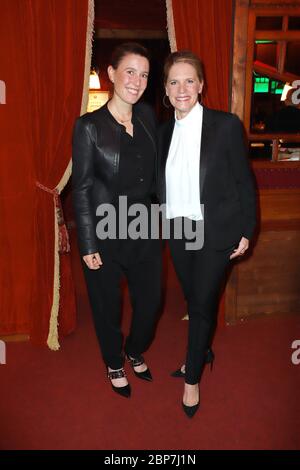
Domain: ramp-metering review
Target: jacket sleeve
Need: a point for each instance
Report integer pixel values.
(82, 187)
(242, 175)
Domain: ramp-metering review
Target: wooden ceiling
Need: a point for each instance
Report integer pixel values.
(131, 14)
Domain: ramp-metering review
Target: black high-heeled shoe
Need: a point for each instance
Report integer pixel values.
(138, 361)
(190, 411)
(124, 391)
(209, 359)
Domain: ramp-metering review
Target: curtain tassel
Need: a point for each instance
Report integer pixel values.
(63, 235)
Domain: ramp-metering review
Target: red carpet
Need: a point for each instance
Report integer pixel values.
(62, 400)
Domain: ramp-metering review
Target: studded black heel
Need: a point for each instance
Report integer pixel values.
(138, 361)
(124, 391)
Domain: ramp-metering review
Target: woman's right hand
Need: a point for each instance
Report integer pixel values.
(93, 261)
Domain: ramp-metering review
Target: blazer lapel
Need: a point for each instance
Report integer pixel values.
(168, 132)
(207, 128)
(206, 139)
(164, 151)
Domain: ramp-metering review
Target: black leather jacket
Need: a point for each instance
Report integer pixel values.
(96, 152)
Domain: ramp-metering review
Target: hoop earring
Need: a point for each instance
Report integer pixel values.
(166, 105)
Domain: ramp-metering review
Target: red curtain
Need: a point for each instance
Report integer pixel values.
(43, 46)
(205, 27)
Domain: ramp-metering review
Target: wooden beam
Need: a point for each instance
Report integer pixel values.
(249, 69)
(279, 135)
(239, 57)
(277, 10)
(273, 73)
(102, 33)
(282, 46)
(255, 164)
(278, 35)
(14, 338)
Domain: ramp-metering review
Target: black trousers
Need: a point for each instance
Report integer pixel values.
(200, 273)
(140, 262)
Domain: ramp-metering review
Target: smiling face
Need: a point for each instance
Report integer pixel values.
(183, 87)
(130, 78)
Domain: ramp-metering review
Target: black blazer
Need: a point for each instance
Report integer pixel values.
(226, 184)
(96, 154)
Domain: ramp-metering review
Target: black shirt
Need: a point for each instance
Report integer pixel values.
(137, 163)
(136, 179)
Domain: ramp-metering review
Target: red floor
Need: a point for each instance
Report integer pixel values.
(62, 400)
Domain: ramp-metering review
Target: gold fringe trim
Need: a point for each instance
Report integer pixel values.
(88, 57)
(171, 26)
(52, 340)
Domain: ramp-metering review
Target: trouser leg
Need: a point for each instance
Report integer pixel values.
(144, 283)
(182, 260)
(104, 295)
(206, 280)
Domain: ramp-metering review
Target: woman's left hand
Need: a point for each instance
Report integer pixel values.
(241, 249)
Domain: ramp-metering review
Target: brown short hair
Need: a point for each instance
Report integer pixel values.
(127, 48)
(183, 56)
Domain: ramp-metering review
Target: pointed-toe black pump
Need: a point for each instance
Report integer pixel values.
(209, 359)
(190, 411)
(178, 373)
(124, 391)
(138, 361)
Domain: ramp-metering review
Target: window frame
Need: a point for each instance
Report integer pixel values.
(244, 65)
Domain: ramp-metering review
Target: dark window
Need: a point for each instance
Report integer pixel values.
(266, 52)
(294, 23)
(292, 61)
(271, 23)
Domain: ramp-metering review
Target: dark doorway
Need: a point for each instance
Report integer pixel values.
(142, 22)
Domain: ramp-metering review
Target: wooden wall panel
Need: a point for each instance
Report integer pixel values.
(267, 281)
(279, 209)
